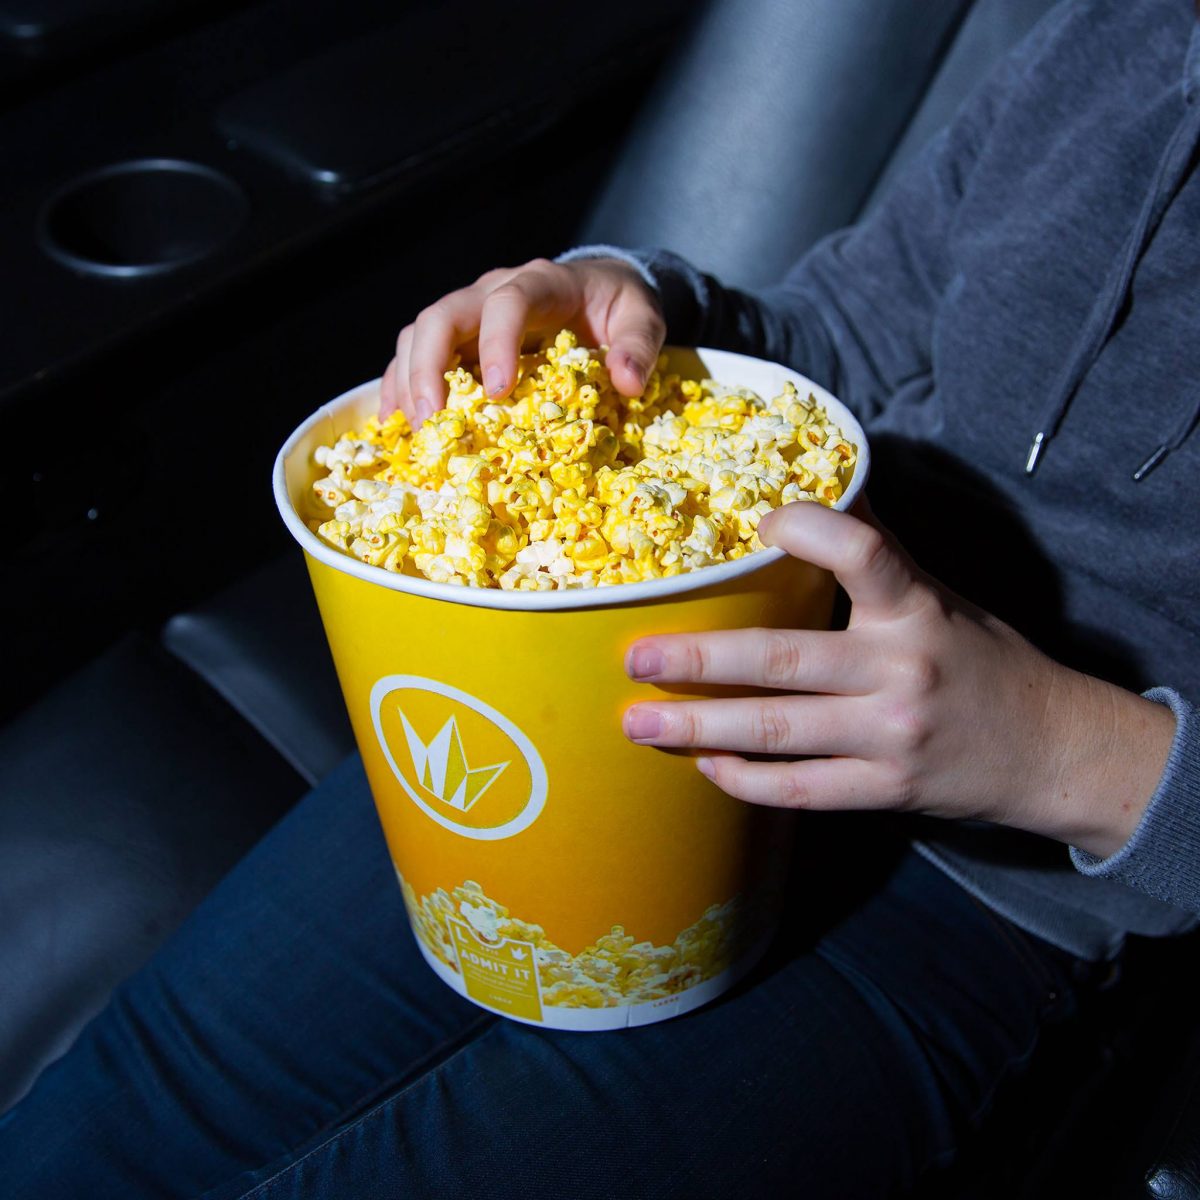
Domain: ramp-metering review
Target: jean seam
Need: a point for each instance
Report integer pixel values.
(425, 1065)
(468, 1038)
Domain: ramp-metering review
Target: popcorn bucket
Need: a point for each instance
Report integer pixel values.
(554, 872)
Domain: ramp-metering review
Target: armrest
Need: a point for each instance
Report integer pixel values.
(360, 114)
(260, 645)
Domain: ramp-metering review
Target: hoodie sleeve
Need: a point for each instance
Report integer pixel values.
(856, 312)
(1158, 858)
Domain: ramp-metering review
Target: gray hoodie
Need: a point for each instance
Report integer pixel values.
(1018, 327)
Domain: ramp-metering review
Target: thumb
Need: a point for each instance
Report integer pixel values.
(876, 573)
(635, 335)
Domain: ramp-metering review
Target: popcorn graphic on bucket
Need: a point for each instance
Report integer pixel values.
(553, 872)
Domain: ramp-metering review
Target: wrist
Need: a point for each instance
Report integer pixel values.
(1112, 749)
(614, 255)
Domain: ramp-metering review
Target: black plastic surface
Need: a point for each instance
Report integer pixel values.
(463, 91)
(432, 87)
(42, 26)
(142, 217)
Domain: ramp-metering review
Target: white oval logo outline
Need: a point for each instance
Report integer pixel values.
(533, 760)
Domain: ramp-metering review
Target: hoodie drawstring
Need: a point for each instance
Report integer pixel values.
(1172, 169)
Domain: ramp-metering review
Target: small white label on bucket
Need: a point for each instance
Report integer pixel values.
(499, 975)
(463, 763)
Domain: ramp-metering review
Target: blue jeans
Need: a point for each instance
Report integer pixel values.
(289, 1041)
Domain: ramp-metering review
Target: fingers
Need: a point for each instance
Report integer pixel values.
(540, 297)
(606, 301)
(827, 784)
(785, 659)
(796, 725)
(877, 575)
(389, 398)
(436, 334)
(497, 310)
(635, 333)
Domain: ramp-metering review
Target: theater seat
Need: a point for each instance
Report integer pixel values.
(132, 787)
(127, 793)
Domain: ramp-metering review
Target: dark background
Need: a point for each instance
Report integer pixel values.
(378, 154)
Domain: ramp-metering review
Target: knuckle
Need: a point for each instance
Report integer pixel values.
(867, 550)
(770, 730)
(656, 326)
(781, 658)
(695, 660)
(647, 333)
(917, 675)
(434, 316)
(908, 728)
(442, 309)
(507, 295)
(684, 724)
(794, 791)
(491, 279)
(404, 340)
(928, 604)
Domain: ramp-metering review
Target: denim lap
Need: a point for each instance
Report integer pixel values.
(290, 1041)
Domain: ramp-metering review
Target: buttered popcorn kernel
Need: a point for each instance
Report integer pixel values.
(615, 970)
(569, 484)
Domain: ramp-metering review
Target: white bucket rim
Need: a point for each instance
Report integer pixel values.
(724, 368)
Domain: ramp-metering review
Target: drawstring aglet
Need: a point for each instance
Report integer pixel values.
(1151, 463)
(1034, 451)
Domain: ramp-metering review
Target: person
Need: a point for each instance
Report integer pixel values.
(1017, 675)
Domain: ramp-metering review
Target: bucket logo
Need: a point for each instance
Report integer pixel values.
(442, 766)
(465, 765)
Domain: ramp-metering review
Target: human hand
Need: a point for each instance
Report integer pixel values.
(924, 703)
(603, 299)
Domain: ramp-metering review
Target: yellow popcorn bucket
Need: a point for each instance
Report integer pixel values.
(554, 872)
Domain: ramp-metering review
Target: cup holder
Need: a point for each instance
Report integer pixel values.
(141, 218)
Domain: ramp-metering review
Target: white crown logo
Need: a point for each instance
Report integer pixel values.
(441, 766)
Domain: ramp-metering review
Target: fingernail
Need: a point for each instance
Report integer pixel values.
(706, 768)
(645, 662)
(642, 723)
(422, 409)
(494, 381)
(636, 367)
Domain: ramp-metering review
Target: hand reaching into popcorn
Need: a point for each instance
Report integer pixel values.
(604, 300)
(924, 703)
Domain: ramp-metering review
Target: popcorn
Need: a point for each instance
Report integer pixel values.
(614, 970)
(570, 484)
